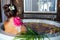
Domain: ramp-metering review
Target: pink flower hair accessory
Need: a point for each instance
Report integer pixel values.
(17, 21)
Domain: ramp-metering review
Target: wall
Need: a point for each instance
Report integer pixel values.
(3, 2)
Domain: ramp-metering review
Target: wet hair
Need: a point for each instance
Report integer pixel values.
(9, 13)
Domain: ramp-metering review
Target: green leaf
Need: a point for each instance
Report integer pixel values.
(31, 31)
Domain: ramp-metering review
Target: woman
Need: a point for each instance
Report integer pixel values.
(13, 24)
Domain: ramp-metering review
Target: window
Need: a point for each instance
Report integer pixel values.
(40, 6)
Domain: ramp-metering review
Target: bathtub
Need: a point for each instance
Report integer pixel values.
(6, 36)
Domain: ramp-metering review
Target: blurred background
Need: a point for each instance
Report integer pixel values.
(34, 9)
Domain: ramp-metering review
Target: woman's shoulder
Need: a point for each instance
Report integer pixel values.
(5, 23)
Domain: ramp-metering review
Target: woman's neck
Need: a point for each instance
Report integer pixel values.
(9, 19)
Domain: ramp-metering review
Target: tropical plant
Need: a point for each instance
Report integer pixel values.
(30, 35)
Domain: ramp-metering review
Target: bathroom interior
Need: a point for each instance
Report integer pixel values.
(43, 11)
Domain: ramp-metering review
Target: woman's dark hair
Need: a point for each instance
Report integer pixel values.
(10, 13)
